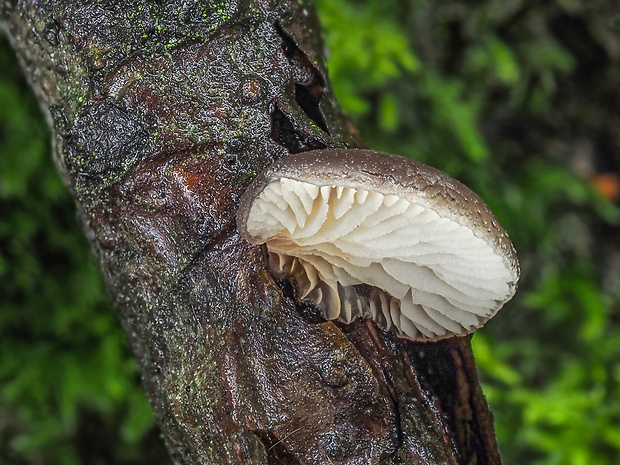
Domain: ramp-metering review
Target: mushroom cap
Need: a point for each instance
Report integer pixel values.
(367, 234)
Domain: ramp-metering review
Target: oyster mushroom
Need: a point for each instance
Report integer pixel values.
(367, 234)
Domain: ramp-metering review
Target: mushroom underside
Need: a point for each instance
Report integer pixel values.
(354, 252)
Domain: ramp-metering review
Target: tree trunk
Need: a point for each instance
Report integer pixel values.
(162, 114)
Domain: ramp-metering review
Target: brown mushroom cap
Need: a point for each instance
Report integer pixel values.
(363, 233)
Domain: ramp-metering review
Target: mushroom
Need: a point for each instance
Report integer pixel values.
(366, 234)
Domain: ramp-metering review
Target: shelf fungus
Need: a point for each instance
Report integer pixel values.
(366, 234)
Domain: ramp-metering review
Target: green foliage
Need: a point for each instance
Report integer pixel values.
(369, 54)
(493, 93)
(497, 99)
(62, 350)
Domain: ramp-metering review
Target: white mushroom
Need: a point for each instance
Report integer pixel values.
(367, 234)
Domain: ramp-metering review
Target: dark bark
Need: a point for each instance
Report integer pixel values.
(162, 113)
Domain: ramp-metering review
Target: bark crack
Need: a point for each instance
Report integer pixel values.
(286, 132)
(309, 83)
(277, 453)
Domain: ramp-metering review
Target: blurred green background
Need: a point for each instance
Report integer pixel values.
(518, 99)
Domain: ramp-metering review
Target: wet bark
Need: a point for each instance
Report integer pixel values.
(162, 114)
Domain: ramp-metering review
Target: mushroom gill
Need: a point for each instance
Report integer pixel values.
(402, 258)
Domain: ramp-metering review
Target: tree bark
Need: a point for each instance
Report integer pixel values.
(162, 114)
